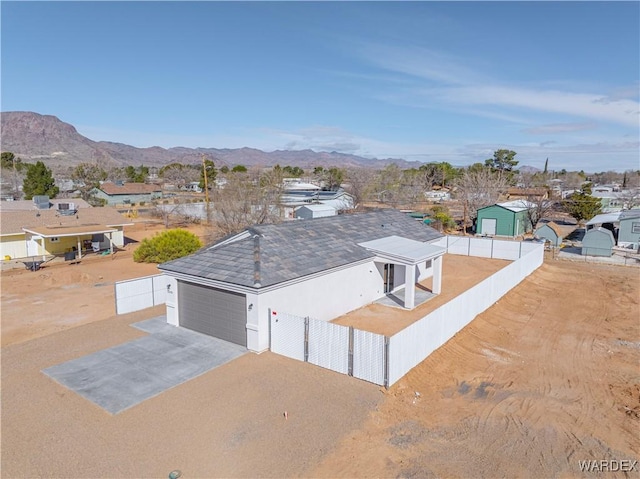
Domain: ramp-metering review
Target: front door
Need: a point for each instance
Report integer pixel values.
(388, 278)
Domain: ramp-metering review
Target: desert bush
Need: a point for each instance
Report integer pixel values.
(165, 246)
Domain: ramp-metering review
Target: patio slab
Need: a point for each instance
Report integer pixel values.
(120, 377)
(396, 299)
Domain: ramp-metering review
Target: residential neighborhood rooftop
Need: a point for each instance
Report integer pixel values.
(265, 255)
(13, 222)
(26, 205)
(128, 188)
(517, 205)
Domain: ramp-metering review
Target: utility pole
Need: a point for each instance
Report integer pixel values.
(206, 188)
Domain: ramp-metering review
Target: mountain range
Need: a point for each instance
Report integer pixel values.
(32, 136)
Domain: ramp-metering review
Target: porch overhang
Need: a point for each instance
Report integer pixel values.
(41, 232)
(57, 231)
(401, 250)
(408, 252)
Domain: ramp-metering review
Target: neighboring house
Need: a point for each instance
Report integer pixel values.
(60, 227)
(629, 229)
(610, 200)
(308, 212)
(438, 195)
(535, 194)
(127, 193)
(505, 219)
(325, 267)
(598, 242)
(291, 199)
(608, 221)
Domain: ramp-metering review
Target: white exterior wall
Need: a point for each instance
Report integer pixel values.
(14, 246)
(325, 297)
(172, 301)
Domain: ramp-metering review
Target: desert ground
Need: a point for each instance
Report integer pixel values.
(547, 377)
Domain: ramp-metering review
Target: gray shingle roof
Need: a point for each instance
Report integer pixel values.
(299, 248)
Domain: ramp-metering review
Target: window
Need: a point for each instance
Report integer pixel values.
(54, 239)
(428, 264)
(635, 228)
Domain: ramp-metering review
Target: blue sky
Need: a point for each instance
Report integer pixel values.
(427, 81)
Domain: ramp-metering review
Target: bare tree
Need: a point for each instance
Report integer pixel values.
(478, 187)
(538, 208)
(629, 198)
(388, 184)
(360, 184)
(247, 199)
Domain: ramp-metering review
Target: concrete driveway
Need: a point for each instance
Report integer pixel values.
(120, 377)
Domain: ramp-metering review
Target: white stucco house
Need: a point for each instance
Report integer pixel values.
(322, 267)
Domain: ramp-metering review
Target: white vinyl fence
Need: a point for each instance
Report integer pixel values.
(140, 293)
(332, 346)
(382, 360)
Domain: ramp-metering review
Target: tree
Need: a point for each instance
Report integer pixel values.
(137, 175)
(239, 169)
(388, 185)
(39, 181)
(630, 198)
(477, 187)
(581, 205)
(247, 199)
(167, 246)
(540, 208)
(360, 183)
(503, 162)
(89, 175)
(179, 174)
(331, 178)
(13, 169)
(294, 171)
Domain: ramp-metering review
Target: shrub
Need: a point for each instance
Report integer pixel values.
(166, 246)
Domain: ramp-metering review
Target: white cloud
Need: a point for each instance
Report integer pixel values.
(448, 82)
(559, 128)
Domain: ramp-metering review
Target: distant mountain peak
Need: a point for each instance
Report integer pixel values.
(31, 135)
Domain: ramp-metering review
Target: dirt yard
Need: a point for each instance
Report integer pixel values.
(547, 377)
(62, 295)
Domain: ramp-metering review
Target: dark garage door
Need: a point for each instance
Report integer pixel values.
(212, 311)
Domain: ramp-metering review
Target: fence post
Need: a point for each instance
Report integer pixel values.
(350, 361)
(469, 247)
(306, 339)
(520, 251)
(492, 248)
(386, 362)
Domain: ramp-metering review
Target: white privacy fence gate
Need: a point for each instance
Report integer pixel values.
(383, 360)
(140, 293)
(343, 349)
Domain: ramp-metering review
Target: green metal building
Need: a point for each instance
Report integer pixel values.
(505, 219)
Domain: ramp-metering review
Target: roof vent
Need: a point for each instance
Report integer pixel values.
(41, 202)
(67, 209)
